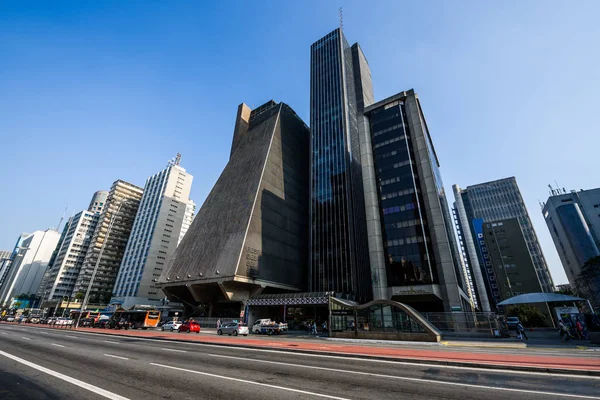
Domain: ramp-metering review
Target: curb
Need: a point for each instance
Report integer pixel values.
(482, 345)
(491, 367)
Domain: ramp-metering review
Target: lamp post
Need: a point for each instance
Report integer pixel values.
(89, 288)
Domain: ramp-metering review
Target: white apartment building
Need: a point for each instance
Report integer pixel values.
(30, 260)
(164, 215)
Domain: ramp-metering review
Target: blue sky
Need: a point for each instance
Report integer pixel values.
(91, 92)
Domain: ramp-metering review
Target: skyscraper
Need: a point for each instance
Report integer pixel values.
(162, 219)
(251, 234)
(414, 254)
(69, 255)
(30, 260)
(574, 223)
(340, 89)
(491, 202)
(120, 208)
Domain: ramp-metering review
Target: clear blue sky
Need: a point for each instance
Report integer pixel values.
(92, 91)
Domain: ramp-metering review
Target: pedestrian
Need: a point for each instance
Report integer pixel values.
(564, 331)
(521, 331)
(314, 327)
(218, 323)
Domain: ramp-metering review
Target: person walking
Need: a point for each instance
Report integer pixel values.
(219, 323)
(564, 331)
(521, 331)
(314, 328)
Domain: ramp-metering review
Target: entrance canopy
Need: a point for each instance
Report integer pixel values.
(538, 298)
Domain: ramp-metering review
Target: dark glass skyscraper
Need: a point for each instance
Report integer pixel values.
(340, 88)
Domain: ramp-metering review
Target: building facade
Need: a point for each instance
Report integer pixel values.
(512, 271)
(490, 202)
(116, 219)
(573, 220)
(340, 88)
(423, 267)
(251, 234)
(162, 219)
(98, 201)
(29, 262)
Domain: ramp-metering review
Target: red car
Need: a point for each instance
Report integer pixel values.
(189, 327)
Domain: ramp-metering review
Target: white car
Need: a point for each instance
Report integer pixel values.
(10, 319)
(64, 321)
(171, 325)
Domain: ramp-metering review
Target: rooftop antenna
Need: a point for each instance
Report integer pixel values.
(341, 19)
(178, 159)
(61, 219)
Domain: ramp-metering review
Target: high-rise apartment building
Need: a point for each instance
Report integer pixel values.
(115, 221)
(574, 223)
(413, 250)
(29, 262)
(98, 200)
(251, 234)
(163, 217)
(490, 202)
(67, 260)
(340, 88)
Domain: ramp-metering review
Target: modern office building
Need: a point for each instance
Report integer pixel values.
(511, 271)
(409, 224)
(114, 226)
(251, 234)
(67, 260)
(188, 218)
(5, 260)
(490, 202)
(340, 88)
(162, 219)
(29, 262)
(574, 223)
(98, 201)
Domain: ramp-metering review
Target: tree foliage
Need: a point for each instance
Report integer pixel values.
(528, 315)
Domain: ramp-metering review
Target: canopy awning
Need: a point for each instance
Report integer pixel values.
(538, 298)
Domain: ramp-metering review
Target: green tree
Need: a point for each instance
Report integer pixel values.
(79, 295)
(587, 284)
(529, 315)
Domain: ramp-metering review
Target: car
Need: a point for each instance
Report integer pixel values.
(233, 328)
(10, 318)
(512, 322)
(34, 320)
(63, 321)
(188, 327)
(24, 320)
(86, 322)
(51, 320)
(171, 326)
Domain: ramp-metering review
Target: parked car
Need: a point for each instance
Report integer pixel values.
(512, 322)
(88, 322)
(269, 327)
(51, 320)
(189, 327)
(171, 326)
(34, 320)
(233, 328)
(63, 321)
(10, 318)
(24, 319)
(121, 324)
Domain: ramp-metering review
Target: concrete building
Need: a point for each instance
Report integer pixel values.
(512, 271)
(490, 202)
(117, 216)
(98, 201)
(66, 263)
(340, 88)
(574, 223)
(411, 238)
(163, 217)
(29, 262)
(251, 234)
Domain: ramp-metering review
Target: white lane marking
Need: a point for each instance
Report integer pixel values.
(44, 333)
(57, 345)
(26, 338)
(110, 341)
(404, 378)
(66, 378)
(119, 357)
(71, 336)
(369, 360)
(251, 382)
(4, 333)
(178, 351)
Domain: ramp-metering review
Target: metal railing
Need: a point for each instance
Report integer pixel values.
(467, 324)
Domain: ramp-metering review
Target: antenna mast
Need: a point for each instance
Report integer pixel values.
(61, 219)
(341, 19)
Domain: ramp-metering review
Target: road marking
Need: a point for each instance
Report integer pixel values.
(57, 345)
(119, 357)
(4, 333)
(251, 382)
(316, 354)
(44, 333)
(71, 336)
(76, 382)
(178, 351)
(411, 379)
(26, 338)
(110, 341)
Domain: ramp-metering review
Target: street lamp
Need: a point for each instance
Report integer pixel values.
(89, 288)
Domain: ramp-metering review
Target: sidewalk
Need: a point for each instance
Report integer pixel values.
(432, 354)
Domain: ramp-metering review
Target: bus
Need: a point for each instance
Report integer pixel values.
(143, 319)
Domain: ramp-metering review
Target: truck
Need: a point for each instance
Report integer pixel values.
(269, 327)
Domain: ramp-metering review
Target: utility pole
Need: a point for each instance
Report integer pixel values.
(89, 289)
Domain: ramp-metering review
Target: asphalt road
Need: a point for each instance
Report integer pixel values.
(37, 363)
